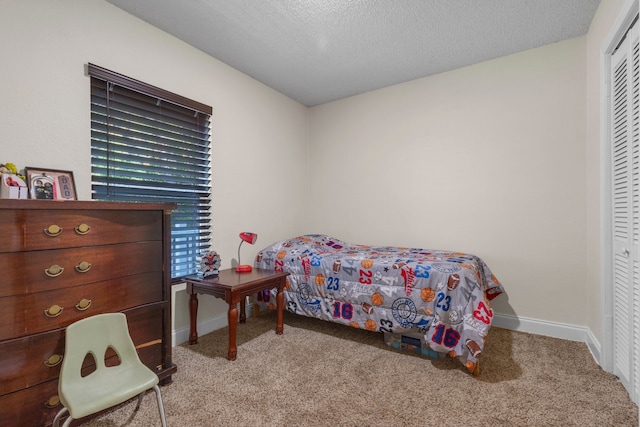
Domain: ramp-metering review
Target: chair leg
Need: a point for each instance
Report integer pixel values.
(56, 419)
(160, 405)
(67, 422)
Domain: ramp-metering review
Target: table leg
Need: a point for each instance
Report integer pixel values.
(233, 325)
(193, 318)
(280, 308)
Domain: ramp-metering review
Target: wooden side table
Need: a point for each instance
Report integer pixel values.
(233, 288)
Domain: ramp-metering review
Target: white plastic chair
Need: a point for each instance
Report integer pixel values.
(107, 386)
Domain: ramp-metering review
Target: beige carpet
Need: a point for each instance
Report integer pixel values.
(322, 374)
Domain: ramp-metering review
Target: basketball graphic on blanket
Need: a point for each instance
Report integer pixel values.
(427, 294)
(366, 263)
(377, 299)
(370, 325)
(282, 254)
(319, 279)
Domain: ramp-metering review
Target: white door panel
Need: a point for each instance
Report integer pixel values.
(625, 157)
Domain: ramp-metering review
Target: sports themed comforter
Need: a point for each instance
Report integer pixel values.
(443, 295)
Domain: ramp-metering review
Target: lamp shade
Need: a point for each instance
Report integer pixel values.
(250, 238)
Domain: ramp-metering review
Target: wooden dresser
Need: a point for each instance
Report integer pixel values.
(61, 261)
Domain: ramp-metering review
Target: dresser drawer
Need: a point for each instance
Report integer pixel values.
(35, 359)
(43, 311)
(37, 271)
(145, 328)
(32, 407)
(30, 360)
(27, 230)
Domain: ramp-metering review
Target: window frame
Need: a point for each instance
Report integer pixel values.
(183, 261)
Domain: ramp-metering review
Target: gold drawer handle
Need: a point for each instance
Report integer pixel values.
(53, 311)
(83, 304)
(54, 271)
(53, 230)
(53, 360)
(83, 267)
(82, 229)
(52, 402)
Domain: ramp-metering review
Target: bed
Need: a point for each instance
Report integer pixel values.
(440, 296)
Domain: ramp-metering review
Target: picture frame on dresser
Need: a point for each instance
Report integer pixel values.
(50, 184)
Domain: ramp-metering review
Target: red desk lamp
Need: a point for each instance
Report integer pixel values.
(251, 239)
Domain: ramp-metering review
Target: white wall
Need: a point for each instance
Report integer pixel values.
(487, 159)
(44, 114)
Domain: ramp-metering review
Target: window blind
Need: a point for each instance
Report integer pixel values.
(149, 145)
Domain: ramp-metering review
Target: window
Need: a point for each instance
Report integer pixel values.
(150, 145)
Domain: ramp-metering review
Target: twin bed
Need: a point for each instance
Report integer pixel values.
(440, 298)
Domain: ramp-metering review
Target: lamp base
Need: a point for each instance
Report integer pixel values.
(244, 268)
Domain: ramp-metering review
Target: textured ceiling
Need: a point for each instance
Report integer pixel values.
(316, 51)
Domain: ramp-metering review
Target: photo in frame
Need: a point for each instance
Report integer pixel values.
(50, 184)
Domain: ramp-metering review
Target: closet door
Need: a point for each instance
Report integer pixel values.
(625, 118)
(635, 137)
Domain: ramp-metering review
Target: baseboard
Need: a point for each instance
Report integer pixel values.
(181, 335)
(520, 324)
(550, 329)
(594, 347)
